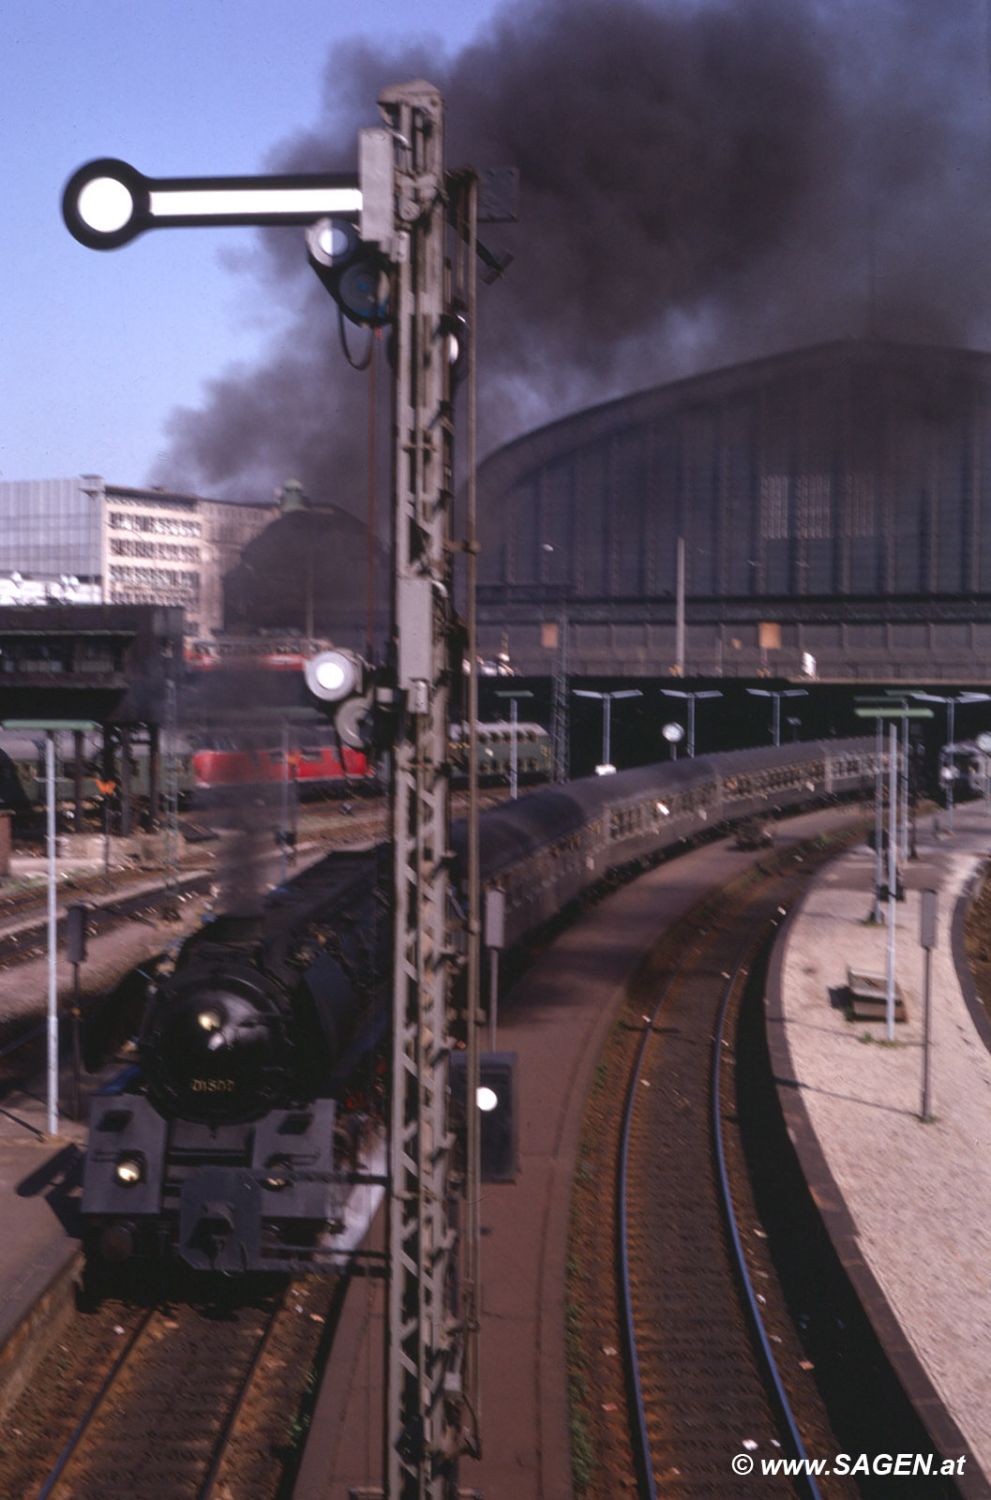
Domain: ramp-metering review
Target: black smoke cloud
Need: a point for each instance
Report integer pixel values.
(700, 183)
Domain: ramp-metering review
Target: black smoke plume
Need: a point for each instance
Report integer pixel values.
(700, 183)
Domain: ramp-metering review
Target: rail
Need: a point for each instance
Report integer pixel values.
(739, 1257)
(642, 1454)
(216, 1442)
(96, 1401)
(641, 1442)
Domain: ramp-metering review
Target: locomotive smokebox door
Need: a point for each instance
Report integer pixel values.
(219, 1219)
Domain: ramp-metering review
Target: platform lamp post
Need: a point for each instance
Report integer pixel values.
(692, 699)
(906, 844)
(951, 707)
(673, 735)
(887, 707)
(514, 719)
(606, 699)
(776, 697)
(928, 901)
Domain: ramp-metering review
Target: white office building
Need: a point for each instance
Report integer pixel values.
(84, 541)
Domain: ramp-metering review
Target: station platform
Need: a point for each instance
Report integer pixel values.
(39, 1248)
(907, 1202)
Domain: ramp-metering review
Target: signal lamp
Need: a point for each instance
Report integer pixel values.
(333, 675)
(497, 1104)
(331, 243)
(354, 273)
(339, 677)
(75, 932)
(454, 330)
(363, 294)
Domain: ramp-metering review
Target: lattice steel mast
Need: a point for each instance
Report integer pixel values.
(401, 197)
(425, 1354)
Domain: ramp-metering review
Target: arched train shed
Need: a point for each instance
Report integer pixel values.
(835, 504)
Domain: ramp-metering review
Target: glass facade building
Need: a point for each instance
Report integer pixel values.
(50, 528)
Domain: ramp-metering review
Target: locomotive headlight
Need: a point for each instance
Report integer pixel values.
(130, 1170)
(210, 1020)
(278, 1174)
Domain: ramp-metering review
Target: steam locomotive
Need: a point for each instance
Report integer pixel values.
(232, 1142)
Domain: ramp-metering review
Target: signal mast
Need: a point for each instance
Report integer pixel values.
(379, 240)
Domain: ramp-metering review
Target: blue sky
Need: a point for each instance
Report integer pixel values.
(98, 348)
(737, 178)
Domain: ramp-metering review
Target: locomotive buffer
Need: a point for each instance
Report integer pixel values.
(378, 239)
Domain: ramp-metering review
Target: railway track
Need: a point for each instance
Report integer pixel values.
(179, 1400)
(161, 1419)
(707, 1390)
(731, 1333)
